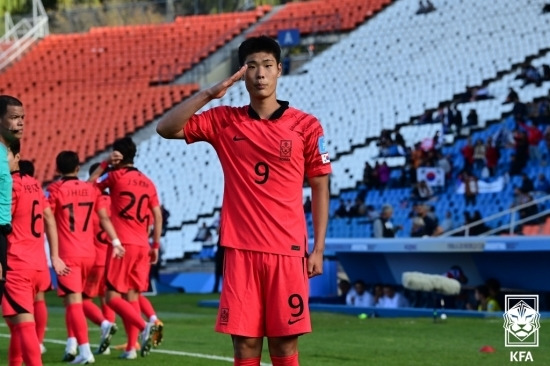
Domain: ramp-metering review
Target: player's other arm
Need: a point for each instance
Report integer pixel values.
(51, 233)
(172, 123)
(107, 225)
(319, 209)
(157, 231)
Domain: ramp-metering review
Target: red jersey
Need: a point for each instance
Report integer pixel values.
(101, 239)
(26, 241)
(74, 203)
(133, 194)
(264, 164)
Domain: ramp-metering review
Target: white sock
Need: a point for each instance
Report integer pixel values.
(105, 324)
(84, 350)
(153, 318)
(71, 344)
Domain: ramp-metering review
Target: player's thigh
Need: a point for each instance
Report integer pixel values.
(73, 282)
(139, 271)
(94, 282)
(241, 309)
(287, 296)
(44, 283)
(19, 292)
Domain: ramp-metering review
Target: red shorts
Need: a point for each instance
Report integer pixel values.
(45, 281)
(20, 289)
(264, 294)
(130, 272)
(95, 282)
(73, 283)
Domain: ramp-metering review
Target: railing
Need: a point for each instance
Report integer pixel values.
(510, 227)
(19, 37)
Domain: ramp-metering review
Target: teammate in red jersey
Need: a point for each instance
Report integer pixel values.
(73, 203)
(133, 195)
(27, 272)
(266, 149)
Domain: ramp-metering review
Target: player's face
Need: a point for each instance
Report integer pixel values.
(13, 120)
(13, 161)
(261, 76)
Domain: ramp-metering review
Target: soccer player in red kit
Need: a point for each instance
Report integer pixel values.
(74, 202)
(266, 149)
(133, 195)
(27, 272)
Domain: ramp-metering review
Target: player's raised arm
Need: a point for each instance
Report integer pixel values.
(319, 209)
(51, 233)
(172, 123)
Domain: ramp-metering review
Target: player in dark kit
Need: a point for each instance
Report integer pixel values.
(133, 196)
(27, 273)
(265, 149)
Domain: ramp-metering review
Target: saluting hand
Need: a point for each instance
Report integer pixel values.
(217, 91)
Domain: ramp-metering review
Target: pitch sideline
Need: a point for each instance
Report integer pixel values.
(167, 352)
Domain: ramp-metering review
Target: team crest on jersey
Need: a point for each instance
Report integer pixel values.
(224, 315)
(286, 150)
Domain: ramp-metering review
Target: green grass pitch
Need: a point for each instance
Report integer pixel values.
(336, 339)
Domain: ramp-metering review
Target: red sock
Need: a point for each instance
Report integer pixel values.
(15, 354)
(133, 332)
(146, 307)
(92, 312)
(108, 313)
(40, 319)
(78, 322)
(68, 325)
(285, 361)
(29, 343)
(247, 361)
(127, 312)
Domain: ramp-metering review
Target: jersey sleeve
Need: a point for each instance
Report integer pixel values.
(154, 199)
(102, 202)
(104, 181)
(204, 126)
(317, 160)
(15, 194)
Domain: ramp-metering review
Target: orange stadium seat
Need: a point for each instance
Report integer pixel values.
(82, 91)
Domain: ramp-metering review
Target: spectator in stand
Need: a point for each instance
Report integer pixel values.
(399, 139)
(444, 163)
(546, 8)
(372, 214)
(430, 223)
(358, 209)
(529, 210)
(491, 156)
(468, 154)
(471, 189)
(480, 228)
(481, 93)
(530, 75)
(418, 228)
(344, 287)
(542, 184)
(382, 227)
(527, 185)
(479, 154)
(204, 234)
(448, 222)
(392, 299)
(383, 173)
(534, 137)
(512, 96)
(359, 296)
(472, 118)
(543, 117)
(521, 148)
(307, 205)
(423, 192)
(368, 176)
(457, 119)
(342, 210)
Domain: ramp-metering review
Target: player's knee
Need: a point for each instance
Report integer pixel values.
(246, 347)
(283, 346)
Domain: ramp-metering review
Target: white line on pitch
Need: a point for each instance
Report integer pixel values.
(164, 351)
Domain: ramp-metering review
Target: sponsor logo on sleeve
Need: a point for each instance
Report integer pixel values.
(323, 151)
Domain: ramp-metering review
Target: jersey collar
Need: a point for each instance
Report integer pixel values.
(283, 106)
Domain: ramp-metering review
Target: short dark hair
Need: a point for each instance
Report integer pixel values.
(127, 148)
(93, 167)
(7, 100)
(26, 167)
(15, 146)
(67, 162)
(259, 44)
